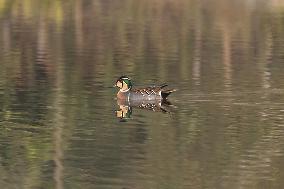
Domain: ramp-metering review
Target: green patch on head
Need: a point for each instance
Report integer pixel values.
(125, 80)
(128, 82)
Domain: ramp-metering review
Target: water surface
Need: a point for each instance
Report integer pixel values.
(58, 126)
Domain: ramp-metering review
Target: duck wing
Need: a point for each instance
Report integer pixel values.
(153, 90)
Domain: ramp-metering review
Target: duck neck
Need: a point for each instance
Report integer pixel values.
(124, 90)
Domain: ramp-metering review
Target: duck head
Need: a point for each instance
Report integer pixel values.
(124, 83)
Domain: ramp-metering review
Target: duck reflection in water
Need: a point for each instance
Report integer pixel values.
(126, 107)
(152, 98)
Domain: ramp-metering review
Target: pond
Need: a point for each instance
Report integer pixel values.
(61, 125)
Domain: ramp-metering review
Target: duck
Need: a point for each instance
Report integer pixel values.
(151, 93)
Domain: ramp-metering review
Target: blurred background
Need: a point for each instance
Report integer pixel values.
(59, 59)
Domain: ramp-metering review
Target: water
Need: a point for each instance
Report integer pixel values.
(58, 125)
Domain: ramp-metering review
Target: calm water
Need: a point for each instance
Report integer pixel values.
(59, 60)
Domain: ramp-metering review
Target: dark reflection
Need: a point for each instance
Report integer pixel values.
(126, 107)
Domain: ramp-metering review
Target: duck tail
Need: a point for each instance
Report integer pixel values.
(163, 85)
(166, 93)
